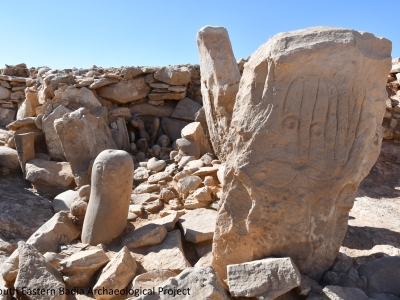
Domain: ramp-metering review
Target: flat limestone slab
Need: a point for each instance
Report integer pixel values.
(198, 225)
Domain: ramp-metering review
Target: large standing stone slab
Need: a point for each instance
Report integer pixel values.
(52, 139)
(220, 78)
(107, 212)
(266, 278)
(306, 129)
(83, 136)
(25, 144)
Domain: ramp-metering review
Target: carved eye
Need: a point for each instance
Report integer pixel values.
(291, 123)
(317, 129)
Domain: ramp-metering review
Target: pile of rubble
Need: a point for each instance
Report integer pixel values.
(159, 197)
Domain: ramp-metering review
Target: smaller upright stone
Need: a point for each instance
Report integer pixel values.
(107, 212)
(279, 275)
(25, 144)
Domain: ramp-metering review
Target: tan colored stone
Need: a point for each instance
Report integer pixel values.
(111, 187)
(25, 144)
(52, 138)
(166, 96)
(220, 78)
(43, 173)
(59, 228)
(79, 268)
(168, 255)
(102, 82)
(173, 75)
(198, 225)
(27, 108)
(116, 274)
(151, 279)
(9, 159)
(126, 91)
(147, 235)
(279, 275)
(186, 110)
(158, 176)
(194, 132)
(83, 136)
(303, 137)
(35, 272)
(6, 116)
(74, 98)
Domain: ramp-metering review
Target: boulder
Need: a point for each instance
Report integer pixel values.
(158, 176)
(50, 84)
(107, 212)
(220, 78)
(303, 137)
(168, 255)
(9, 159)
(59, 228)
(192, 283)
(147, 235)
(6, 116)
(116, 274)
(172, 128)
(168, 221)
(83, 136)
(27, 108)
(63, 201)
(49, 176)
(383, 276)
(187, 184)
(79, 268)
(25, 144)
(194, 227)
(173, 75)
(188, 147)
(102, 82)
(194, 132)
(74, 98)
(125, 91)
(53, 142)
(36, 274)
(186, 110)
(279, 275)
(4, 93)
(156, 165)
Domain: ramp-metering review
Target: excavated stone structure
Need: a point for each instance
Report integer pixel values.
(305, 130)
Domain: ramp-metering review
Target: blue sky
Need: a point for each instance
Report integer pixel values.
(66, 34)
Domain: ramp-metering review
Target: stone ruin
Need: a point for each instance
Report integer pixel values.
(225, 180)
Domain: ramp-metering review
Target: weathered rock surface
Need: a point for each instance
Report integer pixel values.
(49, 176)
(116, 274)
(330, 108)
(195, 132)
(110, 194)
(6, 116)
(279, 275)
(199, 283)
(173, 75)
(341, 293)
(147, 235)
(59, 228)
(74, 98)
(94, 137)
(168, 255)
(35, 273)
(383, 276)
(186, 110)
(198, 225)
(52, 138)
(151, 279)
(25, 144)
(63, 201)
(220, 78)
(125, 91)
(79, 268)
(9, 158)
